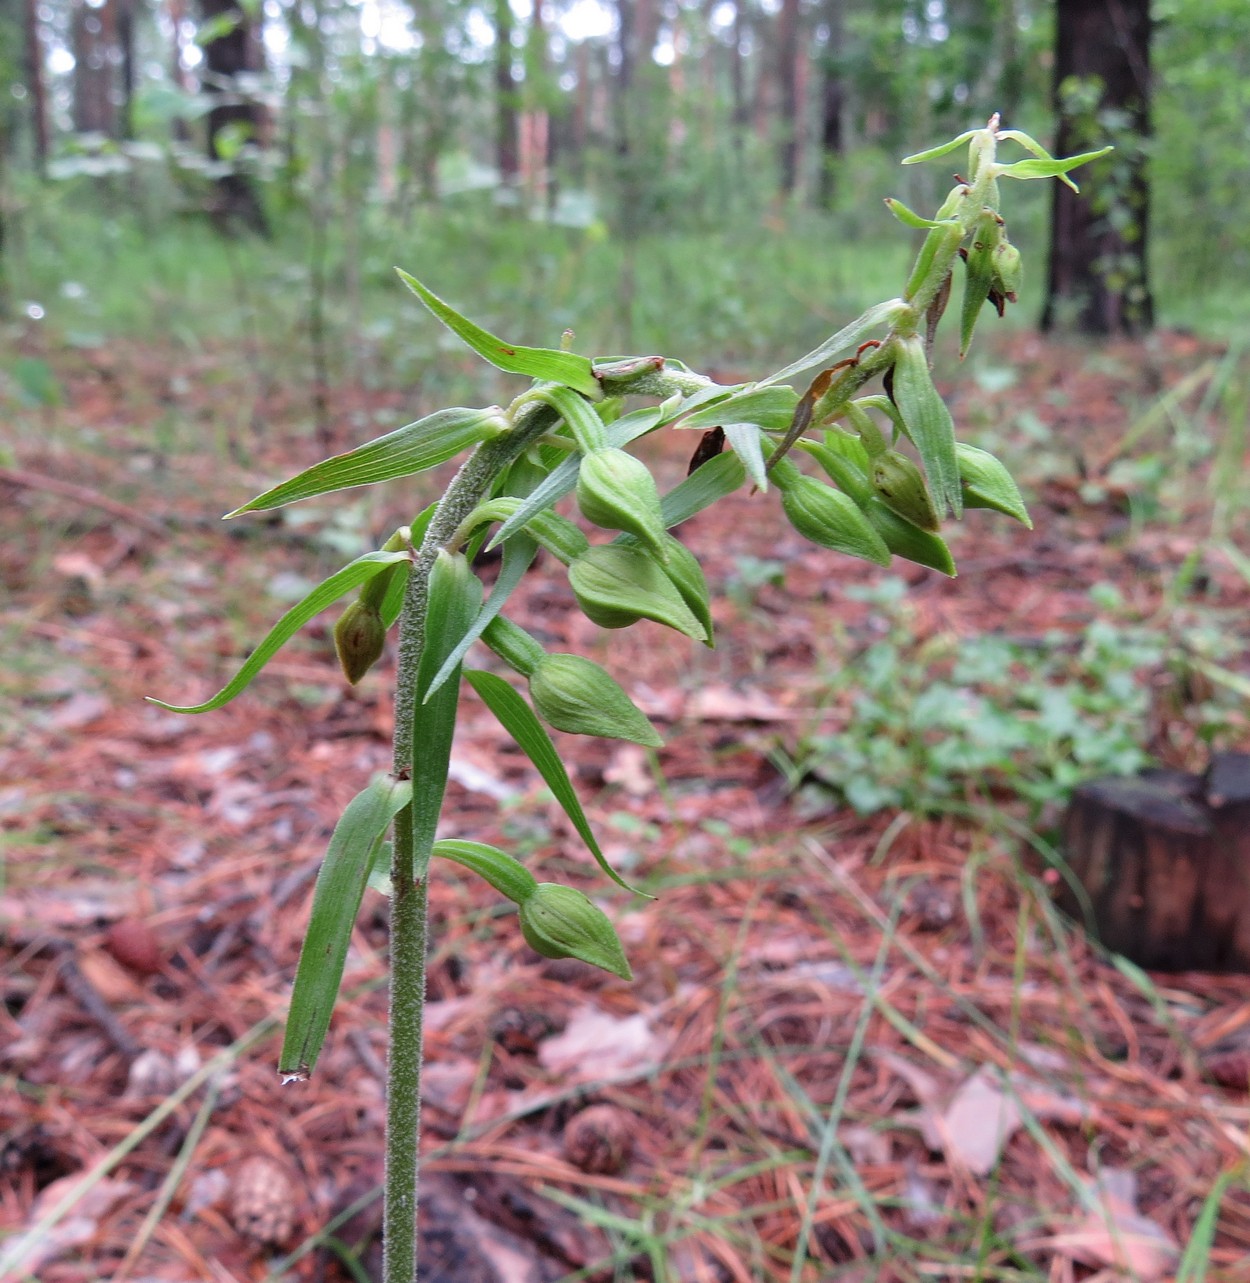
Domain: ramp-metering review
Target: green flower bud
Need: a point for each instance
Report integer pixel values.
(906, 540)
(987, 484)
(1008, 269)
(979, 274)
(577, 695)
(901, 486)
(828, 517)
(559, 922)
(686, 575)
(616, 585)
(359, 639)
(617, 491)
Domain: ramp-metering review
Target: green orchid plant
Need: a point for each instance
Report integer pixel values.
(883, 471)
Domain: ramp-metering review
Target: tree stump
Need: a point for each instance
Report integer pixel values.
(1164, 861)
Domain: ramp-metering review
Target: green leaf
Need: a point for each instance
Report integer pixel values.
(454, 601)
(770, 406)
(504, 872)
(745, 438)
(1050, 168)
(521, 722)
(402, 453)
(534, 362)
(518, 556)
(718, 477)
(988, 484)
(908, 217)
(326, 593)
(587, 427)
(336, 901)
(880, 314)
(941, 150)
(904, 539)
(928, 423)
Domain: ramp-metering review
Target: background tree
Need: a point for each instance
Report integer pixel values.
(233, 52)
(1098, 278)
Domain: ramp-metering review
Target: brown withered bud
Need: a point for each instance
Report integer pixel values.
(711, 443)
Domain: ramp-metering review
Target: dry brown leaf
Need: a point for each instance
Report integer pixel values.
(1113, 1233)
(595, 1044)
(727, 704)
(79, 1226)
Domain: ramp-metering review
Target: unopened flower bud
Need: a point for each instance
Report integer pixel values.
(1008, 269)
(359, 639)
(616, 585)
(828, 517)
(618, 492)
(901, 486)
(575, 694)
(560, 922)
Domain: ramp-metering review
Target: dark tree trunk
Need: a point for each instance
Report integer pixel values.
(37, 86)
(832, 101)
(788, 97)
(126, 45)
(235, 52)
(740, 114)
(506, 137)
(1098, 281)
(93, 35)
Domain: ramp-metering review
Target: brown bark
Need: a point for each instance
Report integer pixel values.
(36, 85)
(506, 131)
(788, 97)
(832, 101)
(234, 53)
(1164, 860)
(93, 35)
(1098, 280)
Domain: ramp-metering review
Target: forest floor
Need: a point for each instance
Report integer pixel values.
(856, 1047)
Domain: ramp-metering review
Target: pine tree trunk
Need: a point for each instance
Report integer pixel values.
(235, 52)
(1098, 276)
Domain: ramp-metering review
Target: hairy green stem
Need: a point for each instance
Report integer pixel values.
(409, 900)
(409, 897)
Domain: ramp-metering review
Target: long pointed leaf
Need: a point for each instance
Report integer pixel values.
(745, 439)
(328, 591)
(521, 722)
(1053, 168)
(454, 601)
(336, 901)
(848, 337)
(534, 362)
(770, 406)
(402, 453)
(940, 150)
(718, 477)
(518, 555)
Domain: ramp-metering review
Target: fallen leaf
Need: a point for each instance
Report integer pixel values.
(725, 704)
(36, 1248)
(1113, 1233)
(595, 1044)
(630, 769)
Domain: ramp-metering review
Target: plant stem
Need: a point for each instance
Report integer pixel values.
(409, 866)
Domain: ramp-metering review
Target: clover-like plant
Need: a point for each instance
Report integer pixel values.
(569, 433)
